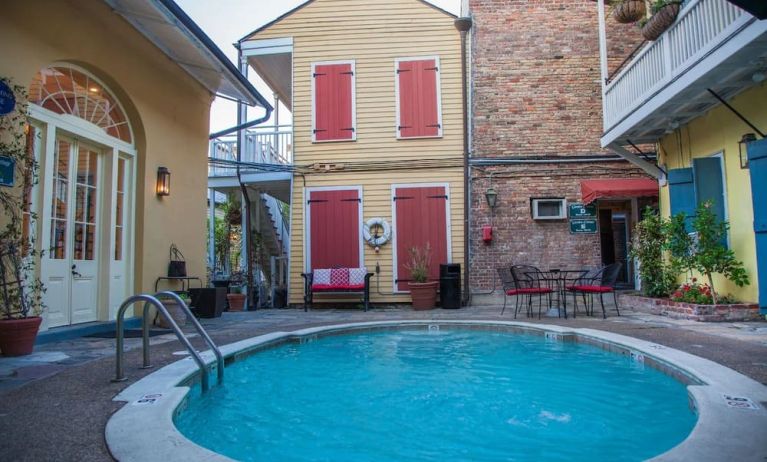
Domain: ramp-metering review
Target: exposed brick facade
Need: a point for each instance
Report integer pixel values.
(536, 95)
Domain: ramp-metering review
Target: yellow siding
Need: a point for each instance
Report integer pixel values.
(373, 34)
(719, 131)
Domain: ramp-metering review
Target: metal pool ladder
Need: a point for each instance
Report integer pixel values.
(153, 300)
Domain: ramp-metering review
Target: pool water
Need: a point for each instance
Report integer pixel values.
(447, 395)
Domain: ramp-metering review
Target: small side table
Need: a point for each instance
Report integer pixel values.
(186, 281)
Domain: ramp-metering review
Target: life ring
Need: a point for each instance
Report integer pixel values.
(380, 240)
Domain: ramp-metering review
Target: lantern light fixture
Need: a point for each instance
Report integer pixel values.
(163, 181)
(743, 148)
(491, 196)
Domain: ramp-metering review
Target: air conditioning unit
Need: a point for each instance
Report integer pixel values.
(548, 208)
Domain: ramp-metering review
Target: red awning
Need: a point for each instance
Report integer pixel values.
(592, 190)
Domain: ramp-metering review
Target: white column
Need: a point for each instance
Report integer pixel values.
(212, 229)
(602, 56)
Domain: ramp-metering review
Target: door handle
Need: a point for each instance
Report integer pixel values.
(75, 273)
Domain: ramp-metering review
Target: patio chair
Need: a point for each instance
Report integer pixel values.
(531, 281)
(510, 288)
(600, 282)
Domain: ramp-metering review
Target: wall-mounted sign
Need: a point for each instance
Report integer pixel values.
(7, 99)
(582, 211)
(7, 168)
(583, 226)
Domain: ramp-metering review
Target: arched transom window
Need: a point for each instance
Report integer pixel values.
(66, 90)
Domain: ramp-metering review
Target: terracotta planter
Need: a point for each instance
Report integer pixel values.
(660, 21)
(175, 311)
(424, 294)
(17, 336)
(236, 301)
(629, 11)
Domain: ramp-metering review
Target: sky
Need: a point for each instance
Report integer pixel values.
(227, 21)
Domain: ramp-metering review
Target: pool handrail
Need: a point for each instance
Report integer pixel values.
(200, 330)
(120, 337)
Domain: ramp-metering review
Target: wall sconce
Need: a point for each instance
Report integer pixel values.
(163, 182)
(492, 198)
(743, 149)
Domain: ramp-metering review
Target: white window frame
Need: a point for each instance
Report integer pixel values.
(314, 100)
(534, 208)
(397, 96)
(448, 227)
(308, 220)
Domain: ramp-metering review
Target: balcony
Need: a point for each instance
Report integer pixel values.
(264, 163)
(712, 45)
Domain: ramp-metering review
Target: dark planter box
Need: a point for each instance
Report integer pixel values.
(208, 302)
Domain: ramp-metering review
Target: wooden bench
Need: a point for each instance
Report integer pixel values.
(337, 281)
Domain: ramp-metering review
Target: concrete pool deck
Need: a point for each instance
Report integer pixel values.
(55, 404)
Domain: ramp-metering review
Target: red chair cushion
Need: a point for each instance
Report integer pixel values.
(336, 287)
(590, 289)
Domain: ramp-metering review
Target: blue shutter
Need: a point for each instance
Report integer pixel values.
(709, 185)
(682, 191)
(757, 163)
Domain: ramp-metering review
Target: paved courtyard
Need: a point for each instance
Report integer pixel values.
(54, 404)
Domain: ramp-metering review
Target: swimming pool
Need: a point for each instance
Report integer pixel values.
(730, 406)
(441, 394)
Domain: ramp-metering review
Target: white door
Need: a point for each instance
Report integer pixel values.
(70, 266)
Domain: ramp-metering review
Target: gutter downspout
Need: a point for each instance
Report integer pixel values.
(241, 116)
(464, 25)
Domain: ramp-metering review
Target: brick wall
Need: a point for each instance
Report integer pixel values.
(536, 94)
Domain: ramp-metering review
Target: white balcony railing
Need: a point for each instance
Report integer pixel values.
(701, 26)
(264, 146)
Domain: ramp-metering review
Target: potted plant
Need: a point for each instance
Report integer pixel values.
(422, 292)
(175, 311)
(20, 289)
(663, 16)
(236, 299)
(628, 11)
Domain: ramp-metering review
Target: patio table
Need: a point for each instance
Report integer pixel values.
(557, 280)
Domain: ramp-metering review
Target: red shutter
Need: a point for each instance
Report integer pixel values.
(418, 105)
(333, 102)
(421, 214)
(334, 231)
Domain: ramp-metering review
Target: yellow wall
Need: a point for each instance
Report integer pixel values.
(169, 112)
(719, 131)
(373, 33)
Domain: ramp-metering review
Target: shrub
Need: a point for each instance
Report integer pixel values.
(710, 255)
(658, 277)
(701, 294)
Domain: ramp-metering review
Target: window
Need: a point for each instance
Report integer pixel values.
(418, 98)
(333, 103)
(66, 90)
(549, 208)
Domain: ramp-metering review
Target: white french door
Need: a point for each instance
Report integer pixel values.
(70, 268)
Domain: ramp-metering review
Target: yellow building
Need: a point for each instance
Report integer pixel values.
(696, 97)
(117, 91)
(374, 89)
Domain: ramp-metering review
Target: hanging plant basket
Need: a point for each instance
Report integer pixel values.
(629, 11)
(234, 216)
(660, 21)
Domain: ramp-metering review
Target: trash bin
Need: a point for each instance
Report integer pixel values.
(450, 285)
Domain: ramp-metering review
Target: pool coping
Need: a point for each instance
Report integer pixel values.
(143, 429)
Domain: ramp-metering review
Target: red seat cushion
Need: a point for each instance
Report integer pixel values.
(590, 289)
(336, 287)
(529, 290)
